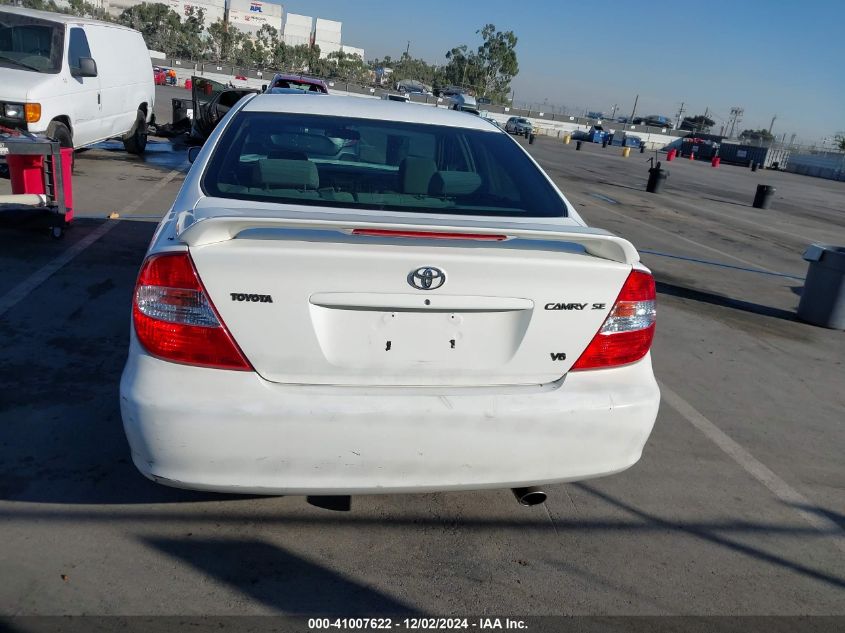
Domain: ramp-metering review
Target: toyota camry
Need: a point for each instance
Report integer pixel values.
(350, 296)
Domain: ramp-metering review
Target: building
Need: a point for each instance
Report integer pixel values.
(352, 50)
(327, 36)
(249, 16)
(297, 29)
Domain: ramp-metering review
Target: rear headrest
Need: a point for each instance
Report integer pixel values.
(415, 173)
(282, 173)
(454, 183)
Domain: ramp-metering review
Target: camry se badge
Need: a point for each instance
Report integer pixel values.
(427, 278)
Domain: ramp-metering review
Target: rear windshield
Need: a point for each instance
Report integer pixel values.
(30, 43)
(372, 164)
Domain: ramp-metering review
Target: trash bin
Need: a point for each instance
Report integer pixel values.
(763, 197)
(656, 178)
(180, 109)
(823, 298)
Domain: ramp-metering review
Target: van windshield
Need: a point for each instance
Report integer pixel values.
(354, 163)
(30, 43)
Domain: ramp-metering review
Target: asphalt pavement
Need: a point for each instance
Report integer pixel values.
(736, 507)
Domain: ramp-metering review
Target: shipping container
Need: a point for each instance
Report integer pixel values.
(737, 154)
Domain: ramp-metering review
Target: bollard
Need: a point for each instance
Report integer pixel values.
(656, 178)
(715, 161)
(642, 148)
(753, 166)
(764, 196)
(670, 155)
(604, 142)
(578, 145)
(626, 151)
(527, 133)
(567, 138)
(531, 139)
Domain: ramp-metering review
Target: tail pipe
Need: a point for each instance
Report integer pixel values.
(530, 496)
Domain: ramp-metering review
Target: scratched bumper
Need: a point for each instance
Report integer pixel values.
(235, 432)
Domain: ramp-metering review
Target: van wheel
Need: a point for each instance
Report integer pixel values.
(136, 142)
(58, 131)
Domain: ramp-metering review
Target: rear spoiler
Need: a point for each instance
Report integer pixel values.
(596, 242)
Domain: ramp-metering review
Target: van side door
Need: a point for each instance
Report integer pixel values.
(83, 92)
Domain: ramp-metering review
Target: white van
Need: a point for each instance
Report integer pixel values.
(79, 81)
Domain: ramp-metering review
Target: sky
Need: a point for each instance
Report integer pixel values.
(783, 58)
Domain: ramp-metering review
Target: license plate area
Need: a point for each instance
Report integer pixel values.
(412, 340)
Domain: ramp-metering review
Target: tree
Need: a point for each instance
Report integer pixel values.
(497, 61)
(756, 135)
(190, 43)
(697, 123)
(839, 139)
(489, 69)
(159, 24)
(218, 43)
(41, 5)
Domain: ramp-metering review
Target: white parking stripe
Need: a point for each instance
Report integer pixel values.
(19, 292)
(754, 467)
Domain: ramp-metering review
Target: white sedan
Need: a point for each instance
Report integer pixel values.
(352, 297)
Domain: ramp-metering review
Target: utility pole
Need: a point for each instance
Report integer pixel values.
(736, 117)
(613, 112)
(678, 119)
(634, 111)
(772, 124)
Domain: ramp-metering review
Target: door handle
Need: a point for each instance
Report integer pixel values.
(98, 98)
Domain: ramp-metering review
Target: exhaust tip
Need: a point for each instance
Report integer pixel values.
(530, 496)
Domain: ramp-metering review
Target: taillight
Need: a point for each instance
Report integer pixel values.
(176, 321)
(627, 332)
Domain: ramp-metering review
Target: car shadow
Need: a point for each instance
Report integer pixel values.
(280, 579)
(702, 296)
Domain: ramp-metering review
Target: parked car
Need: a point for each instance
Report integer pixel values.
(518, 125)
(351, 297)
(464, 103)
(493, 121)
(76, 80)
(300, 82)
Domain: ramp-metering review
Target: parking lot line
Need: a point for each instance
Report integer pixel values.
(777, 486)
(19, 292)
(628, 218)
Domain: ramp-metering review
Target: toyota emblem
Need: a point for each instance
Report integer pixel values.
(427, 278)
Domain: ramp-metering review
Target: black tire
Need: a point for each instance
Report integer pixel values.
(58, 131)
(136, 142)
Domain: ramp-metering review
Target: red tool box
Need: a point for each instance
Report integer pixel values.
(40, 170)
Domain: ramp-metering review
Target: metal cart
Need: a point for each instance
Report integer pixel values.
(49, 208)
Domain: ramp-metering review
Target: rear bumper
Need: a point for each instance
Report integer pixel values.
(235, 432)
